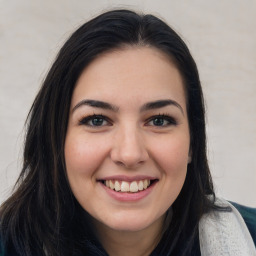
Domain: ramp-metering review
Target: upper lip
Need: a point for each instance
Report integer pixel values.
(128, 178)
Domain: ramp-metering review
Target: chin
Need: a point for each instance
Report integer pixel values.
(130, 227)
(133, 223)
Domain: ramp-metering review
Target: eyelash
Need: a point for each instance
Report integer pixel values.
(164, 117)
(87, 119)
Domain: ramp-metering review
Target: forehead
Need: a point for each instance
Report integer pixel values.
(136, 73)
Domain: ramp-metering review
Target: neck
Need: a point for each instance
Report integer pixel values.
(126, 243)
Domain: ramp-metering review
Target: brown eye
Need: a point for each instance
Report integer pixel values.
(158, 121)
(161, 121)
(95, 121)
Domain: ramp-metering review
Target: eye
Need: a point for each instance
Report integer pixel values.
(161, 121)
(95, 121)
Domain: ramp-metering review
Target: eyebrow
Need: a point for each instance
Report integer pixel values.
(96, 104)
(147, 106)
(160, 104)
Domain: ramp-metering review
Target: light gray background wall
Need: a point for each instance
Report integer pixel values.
(221, 36)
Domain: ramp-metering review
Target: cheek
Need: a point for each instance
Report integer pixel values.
(172, 155)
(81, 155)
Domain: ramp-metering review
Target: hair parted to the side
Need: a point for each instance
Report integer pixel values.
(42, 217)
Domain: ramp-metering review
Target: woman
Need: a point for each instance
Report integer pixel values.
(115, 154)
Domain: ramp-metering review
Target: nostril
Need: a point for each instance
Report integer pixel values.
(119, 163)
(129, 151)
(128, 164)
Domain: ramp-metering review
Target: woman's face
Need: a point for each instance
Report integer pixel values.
(127, 143)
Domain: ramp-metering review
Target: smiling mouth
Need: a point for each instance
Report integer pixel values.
(125, 186)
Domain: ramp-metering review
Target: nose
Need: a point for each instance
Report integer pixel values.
(129, 149)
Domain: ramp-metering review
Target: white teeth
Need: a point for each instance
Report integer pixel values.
(111, 184)
(145, 184)
(125, 186)
(141, 185)
(117, 186)
(134, 187)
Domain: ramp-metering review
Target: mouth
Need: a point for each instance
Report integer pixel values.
(124, 186)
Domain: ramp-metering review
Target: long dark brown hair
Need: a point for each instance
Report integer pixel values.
(42, 217)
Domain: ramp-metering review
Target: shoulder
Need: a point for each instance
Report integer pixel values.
(225, 231)
(4, 252)
(1, 247)
(249, 216)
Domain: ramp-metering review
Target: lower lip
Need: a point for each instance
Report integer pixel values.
(128, 197)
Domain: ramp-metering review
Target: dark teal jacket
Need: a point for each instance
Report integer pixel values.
(249, 216)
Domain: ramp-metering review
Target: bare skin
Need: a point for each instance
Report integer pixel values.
(123, 243)
(128, 124)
